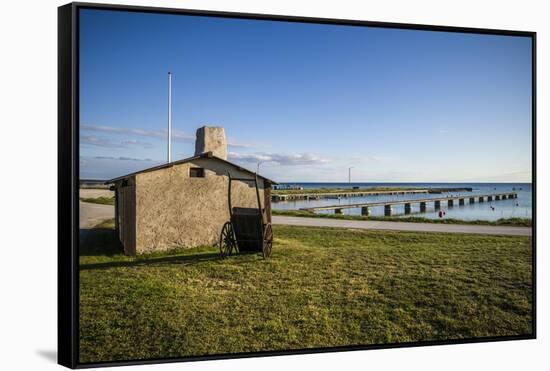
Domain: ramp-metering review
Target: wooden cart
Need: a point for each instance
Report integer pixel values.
(248, 229)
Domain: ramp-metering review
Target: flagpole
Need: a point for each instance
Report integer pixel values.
(169, 117)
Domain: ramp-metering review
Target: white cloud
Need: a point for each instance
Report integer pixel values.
(278, 158)
(123, 158)
(109, 143)
(177, 135)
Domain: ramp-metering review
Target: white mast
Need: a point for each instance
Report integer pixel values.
(169, 117)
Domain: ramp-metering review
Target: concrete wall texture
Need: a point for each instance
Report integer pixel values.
(173, 209)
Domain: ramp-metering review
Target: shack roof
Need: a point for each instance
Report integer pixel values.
(206, 155)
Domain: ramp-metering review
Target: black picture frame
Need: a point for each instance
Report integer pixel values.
(68, 176)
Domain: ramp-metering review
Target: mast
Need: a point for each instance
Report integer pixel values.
(169, 117)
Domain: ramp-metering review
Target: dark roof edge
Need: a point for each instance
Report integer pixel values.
(178, 162)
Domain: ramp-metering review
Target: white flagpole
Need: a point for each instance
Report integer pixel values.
(169, 117)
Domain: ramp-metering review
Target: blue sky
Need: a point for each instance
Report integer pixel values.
(308, 101)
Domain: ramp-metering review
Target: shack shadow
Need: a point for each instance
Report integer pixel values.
(104, 242)
(185, 260)
(99, 241)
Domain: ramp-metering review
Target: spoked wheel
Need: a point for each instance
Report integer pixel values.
(228, 244)
(268, 241)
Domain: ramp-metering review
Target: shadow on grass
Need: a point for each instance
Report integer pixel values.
(103, 241)
(181, 259)
(99, 241)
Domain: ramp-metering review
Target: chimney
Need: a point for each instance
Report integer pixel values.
(211, 139)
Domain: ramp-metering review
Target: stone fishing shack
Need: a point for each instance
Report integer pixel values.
(184, 203)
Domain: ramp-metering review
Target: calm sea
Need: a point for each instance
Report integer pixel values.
(520, 207)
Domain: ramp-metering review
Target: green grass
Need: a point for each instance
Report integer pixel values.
(99, 200)
(518, 222)
(322, 287)
(341, 190)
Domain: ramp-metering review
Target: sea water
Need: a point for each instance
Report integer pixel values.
(520, 207)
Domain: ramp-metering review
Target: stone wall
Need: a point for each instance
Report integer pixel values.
(175, 210)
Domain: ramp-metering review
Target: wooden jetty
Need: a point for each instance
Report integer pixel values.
(450, 200)
(342, 194)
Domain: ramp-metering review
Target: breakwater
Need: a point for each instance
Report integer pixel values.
(388, 205)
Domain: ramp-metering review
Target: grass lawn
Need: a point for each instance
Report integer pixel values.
(322, 287)
(518, 222)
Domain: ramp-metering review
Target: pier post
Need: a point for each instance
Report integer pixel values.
(450, 203)
(481, 199)
(472, 200)
(407, 208)
(365, 210)
(437, 205)
(337, 211)
(489, 198)
(461, 201)
(387, 210)
(422, 207)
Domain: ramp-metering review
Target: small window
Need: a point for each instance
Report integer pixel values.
(196, 172)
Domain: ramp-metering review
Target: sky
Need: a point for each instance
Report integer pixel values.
(306, 101)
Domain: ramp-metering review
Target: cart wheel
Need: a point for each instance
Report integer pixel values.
(228, 244)
(268, 241)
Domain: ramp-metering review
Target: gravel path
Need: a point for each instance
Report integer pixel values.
(92, 214)
(403, 226)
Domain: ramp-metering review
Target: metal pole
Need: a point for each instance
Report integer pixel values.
(169, 117)
(349, 174)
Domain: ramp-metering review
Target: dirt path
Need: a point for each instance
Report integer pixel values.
(92, 214)
(94, 193)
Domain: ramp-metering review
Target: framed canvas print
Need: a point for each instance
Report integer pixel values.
(236, 185)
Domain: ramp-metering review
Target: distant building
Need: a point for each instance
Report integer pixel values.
(183, 203)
